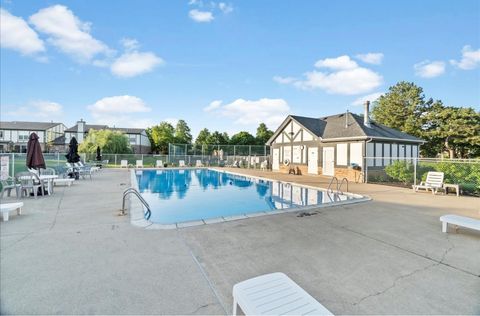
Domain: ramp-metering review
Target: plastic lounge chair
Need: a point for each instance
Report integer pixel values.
(181, 163)
(84, 170)
(8, 207)
(139, 164)
(458, 220)
(159, 164)
(263, 165)
(434, 182)
(123, 163)
(198, 163)
(274, 294)
(29, 182)
(7, 185)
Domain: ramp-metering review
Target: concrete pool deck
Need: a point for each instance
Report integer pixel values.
(70, 253)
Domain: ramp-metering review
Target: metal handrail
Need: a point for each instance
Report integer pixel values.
(148, 213)
(341, 183)
(330, 184)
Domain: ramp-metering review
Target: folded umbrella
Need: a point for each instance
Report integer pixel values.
(35, 158)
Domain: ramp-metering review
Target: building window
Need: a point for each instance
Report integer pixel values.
(22, 137)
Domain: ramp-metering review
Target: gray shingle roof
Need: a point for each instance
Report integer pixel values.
(27, 126)
(347, 125)
(88, 127)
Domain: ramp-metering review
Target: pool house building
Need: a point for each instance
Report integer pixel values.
(340, 145)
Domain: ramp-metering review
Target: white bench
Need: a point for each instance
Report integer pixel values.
(8, 207)
(274, 294)
(457, 220)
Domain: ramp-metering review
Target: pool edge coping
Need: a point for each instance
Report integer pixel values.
(137, 214)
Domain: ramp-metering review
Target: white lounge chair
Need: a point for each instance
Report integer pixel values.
(139, 164)
(263, 165)
(123, 163)
(159, 164)
(8, 207)
(181, 163)
(434, 182)
(198, 163)
(63, 181)
(274, 294)
(458, 220)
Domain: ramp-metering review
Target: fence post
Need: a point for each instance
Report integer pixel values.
(415, 171)
(143, 162)
(13, 165)
(366, 170)
(115, 160)
(58, 158)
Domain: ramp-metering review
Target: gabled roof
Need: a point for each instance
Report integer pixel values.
(88, 127)
(348, 126)
(27, 126)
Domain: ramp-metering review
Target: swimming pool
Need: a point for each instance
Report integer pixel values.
(206, 195)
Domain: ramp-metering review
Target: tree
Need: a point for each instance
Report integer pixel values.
(110, 142)
(403, 108)
(202, 137)
(242, 138)
(217, 138)
(263, 134)
(182, 133)
(160, 136)
(457, 130)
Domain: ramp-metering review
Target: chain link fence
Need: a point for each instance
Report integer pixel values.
(411, 171)
(16, 162)
(218, 150)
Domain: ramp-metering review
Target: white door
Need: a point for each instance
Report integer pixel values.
(328, 161)
(276, 159)
(313, 160)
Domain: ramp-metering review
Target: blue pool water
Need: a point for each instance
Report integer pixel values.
(181, 195)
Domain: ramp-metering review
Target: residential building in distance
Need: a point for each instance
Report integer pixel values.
(137, 136)
(14, 135)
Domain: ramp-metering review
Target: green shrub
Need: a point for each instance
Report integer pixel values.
(401, 171)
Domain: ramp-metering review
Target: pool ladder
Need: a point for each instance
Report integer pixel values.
(339, 185)
(123, 211)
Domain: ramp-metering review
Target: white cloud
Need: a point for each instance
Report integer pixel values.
(470, 59)
(130, 44)
(428, 69)
(39, 109)
(252, 112)
(338, 63)
(213, 106)
(68, 33)
(371, 58)
(370, 97)
(134, 63)
(201, 16)
(120, 111)
(225, 8)
(17, 35)
(344, 76)
(119, 104)
(284, 80)
(348, 82)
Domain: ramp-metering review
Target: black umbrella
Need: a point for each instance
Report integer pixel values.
(99, 155)
(72, 155)
(34, 153)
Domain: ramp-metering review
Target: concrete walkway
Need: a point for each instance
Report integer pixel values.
(71, 253)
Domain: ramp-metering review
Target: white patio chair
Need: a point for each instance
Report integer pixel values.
(198, 163)
(139, 164)
(181, 163)
(123, 163)
(263, 165)
(159, 164)
(434, 182)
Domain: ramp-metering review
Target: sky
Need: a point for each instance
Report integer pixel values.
(229, 65)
